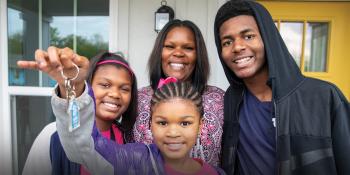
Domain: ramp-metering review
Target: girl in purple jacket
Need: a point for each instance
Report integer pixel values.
(176, 119)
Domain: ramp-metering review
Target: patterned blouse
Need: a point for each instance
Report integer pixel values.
(210, 137)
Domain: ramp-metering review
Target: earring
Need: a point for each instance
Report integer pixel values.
(120, 119)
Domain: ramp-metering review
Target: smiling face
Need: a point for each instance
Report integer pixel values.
(242, 47)
(179, 53)
(112, 90)
(175, 125)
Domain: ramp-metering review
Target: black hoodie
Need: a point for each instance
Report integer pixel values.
(313, 116)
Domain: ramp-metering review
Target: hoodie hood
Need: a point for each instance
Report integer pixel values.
(284, 74)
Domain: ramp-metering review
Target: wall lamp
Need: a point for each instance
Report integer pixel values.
(162, 16)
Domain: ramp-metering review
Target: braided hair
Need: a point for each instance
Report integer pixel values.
(180, 90)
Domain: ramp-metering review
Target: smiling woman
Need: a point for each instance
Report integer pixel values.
(180, 52)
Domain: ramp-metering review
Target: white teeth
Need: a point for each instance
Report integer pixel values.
(242, 60)
(110, 105)
(177, 66)
(174, 146)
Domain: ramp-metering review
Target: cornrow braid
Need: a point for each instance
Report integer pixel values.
(180, 90)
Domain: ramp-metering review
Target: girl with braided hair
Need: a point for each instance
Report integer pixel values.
(176, 119)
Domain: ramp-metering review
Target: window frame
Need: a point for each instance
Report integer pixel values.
(8, 136)
(305, 21)
(5, 120)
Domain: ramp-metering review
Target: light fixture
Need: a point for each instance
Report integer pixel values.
(162, 16)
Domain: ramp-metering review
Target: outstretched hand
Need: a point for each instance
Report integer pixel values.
(55, 60)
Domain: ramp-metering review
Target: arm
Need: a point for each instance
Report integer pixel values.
(341, 136)
(85, 145)
(38, 160)
(142, 132)
(211, 130)
(78, 144)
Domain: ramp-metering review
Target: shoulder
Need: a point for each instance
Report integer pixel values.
(44, 137)
(145, 90)
(144, 93)
(322, 88)
(47, 132)
(38, 160)
(209, 169)
(316, 92)
(144, 96)
(213, 89)
(213, 101)
(153, 148)
(139, 151)
(213, 94)
(313, 82)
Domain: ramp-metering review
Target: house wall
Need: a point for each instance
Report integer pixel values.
(136, 34)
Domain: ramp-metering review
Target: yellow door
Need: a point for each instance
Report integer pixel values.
(330, 49)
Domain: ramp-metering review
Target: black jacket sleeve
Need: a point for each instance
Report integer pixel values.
(341, 136)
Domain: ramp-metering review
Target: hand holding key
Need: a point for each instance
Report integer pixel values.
(60, 65)
(68, 69)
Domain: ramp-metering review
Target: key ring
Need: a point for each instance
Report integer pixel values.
(76, 75)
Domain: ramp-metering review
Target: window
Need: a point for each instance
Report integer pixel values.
(30, 115)
(325, 35)
(80, 24)
(307, 42)
(36, 24)
(316, 47)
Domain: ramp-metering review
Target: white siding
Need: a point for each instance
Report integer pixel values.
(136, 33)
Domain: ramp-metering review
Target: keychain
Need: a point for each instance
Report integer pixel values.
(73, 106)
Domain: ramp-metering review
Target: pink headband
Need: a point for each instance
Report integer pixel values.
(117, 62)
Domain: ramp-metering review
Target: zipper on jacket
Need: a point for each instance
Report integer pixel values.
(276, 135)
(239, 103)
(234, 151)
(276, 120)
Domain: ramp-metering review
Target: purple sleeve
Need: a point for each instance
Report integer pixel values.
(125, 158)
(120, 156)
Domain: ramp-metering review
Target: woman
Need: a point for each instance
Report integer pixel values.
(180, 52)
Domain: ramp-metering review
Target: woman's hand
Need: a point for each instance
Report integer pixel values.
(56, 60)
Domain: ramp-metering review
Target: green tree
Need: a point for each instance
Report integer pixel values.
(87, 47)
(15, 44)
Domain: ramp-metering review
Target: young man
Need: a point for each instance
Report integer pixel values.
(276, 120)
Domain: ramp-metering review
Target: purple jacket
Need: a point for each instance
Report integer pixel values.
(131, 158)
